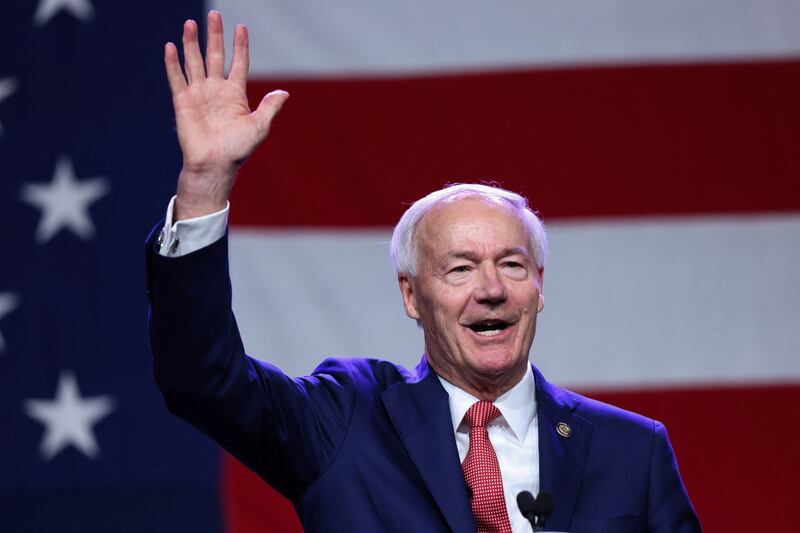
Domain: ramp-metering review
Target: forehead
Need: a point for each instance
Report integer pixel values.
(473, 223)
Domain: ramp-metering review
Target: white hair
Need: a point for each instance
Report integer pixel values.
(403, 248)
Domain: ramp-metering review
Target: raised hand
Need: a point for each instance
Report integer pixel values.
(216, 130)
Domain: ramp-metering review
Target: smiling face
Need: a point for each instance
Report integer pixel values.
(477, 292)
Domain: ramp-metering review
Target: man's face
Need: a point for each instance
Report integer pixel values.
(477, 293)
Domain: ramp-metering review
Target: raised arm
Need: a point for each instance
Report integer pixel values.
(284, 429)
(217, 131)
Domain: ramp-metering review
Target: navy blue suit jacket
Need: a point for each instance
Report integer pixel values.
(366, 445)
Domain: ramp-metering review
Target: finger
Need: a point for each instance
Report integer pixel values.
(269, 107)
(215, 47)
(195, 71)
(241, 55)
(177, 82)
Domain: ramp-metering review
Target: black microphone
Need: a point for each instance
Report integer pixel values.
(545, 504)
(527, 506)
(536, 510)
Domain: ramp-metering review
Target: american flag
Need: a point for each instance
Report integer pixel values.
(659, 142)
(88, 155)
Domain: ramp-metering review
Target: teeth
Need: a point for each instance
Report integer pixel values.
(489, 333)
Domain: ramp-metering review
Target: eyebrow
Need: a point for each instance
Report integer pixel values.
(505, 252)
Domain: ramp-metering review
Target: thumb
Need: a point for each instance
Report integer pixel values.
(269, 107)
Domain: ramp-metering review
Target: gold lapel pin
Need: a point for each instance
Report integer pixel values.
(564, 430)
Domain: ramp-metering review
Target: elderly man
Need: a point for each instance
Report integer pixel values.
(366, 445)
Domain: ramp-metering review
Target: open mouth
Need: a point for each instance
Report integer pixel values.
(488, 328)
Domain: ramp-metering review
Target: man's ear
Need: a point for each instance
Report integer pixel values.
(409, 293)
(541, 293)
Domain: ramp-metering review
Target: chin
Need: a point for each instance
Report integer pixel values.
(496, 364)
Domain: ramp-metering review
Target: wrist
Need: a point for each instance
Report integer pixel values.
(201, 194)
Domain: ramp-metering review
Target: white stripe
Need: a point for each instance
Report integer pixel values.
(321, 37)
(673, 301)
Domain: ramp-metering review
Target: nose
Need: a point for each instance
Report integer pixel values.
(491, 289)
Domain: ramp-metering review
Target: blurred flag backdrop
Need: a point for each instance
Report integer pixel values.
(659, 142)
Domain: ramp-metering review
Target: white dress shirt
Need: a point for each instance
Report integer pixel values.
(514, 436)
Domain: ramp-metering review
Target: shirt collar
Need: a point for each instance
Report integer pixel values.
(517, 405)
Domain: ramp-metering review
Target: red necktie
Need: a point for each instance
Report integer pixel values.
(482, 472)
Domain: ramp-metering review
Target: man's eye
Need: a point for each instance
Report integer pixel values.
(460, 269)
(513, 264)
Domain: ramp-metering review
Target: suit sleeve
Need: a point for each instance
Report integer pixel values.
(286, 430)
(669, 507)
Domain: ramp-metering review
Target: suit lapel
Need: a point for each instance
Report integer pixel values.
(561, 459)
(421, 414)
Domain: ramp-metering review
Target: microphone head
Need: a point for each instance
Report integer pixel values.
(545, 504)
(526, 503)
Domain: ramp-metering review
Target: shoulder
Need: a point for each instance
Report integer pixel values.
(605, 415)
(362, 373)
(618, 440)
(608, 422)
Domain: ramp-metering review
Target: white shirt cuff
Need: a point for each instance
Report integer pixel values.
(187, 236)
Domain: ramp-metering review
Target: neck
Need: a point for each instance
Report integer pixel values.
(482, 386)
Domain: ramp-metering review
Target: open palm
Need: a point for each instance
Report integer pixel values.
(216, 129)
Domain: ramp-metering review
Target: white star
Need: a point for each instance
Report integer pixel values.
(7, 87)
(80, 9)
(68, 418)
(8, 302)
(64, 202)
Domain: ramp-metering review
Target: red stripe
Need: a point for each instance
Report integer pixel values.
(252, 506)
(714, 138)
(737, 450)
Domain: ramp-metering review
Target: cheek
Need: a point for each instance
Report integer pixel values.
(435, 315)
(445, 320)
